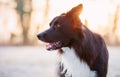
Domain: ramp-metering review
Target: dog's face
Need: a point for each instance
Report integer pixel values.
(62, 29)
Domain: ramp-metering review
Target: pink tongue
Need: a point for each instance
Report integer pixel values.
(49, 46)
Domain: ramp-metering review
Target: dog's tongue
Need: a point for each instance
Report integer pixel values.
(50, 46)
(53, 46)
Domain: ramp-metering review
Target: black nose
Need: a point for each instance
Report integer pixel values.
(42, 36)
(38, 36)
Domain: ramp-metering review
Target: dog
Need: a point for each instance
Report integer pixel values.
(83, 53)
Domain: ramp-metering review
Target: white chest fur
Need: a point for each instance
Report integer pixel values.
(74, 65)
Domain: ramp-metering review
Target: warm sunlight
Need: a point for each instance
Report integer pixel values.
(23, 54)
(101, 16)
(96, 13)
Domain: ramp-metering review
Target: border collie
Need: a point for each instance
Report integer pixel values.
(83, 53)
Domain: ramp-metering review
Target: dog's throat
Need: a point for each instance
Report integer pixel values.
(54, 46)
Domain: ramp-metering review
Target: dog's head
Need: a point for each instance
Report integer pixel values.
(63, 29)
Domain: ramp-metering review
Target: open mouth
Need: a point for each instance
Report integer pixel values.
(54, 46)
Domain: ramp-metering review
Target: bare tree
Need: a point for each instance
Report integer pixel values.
(24, 8)
(116, 18)
(46, 12)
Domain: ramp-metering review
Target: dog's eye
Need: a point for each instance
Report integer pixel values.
(57, 26)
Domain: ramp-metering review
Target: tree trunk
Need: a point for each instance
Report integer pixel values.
(24, 9)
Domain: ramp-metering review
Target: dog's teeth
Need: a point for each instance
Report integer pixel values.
(58, 42)
(53, 46)
(49, 46)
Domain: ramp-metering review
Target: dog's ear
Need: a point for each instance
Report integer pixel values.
(75, 11)
(73, 16)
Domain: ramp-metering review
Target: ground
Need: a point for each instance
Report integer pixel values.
(29, 61)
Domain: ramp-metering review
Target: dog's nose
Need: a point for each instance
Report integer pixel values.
(38, 36)
(42, 35)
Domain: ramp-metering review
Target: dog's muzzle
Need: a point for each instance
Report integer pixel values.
(52, 45)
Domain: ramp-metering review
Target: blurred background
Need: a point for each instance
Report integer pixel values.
(23, 55)
(21, 20)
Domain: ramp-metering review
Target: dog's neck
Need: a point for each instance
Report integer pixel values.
(73, 66)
